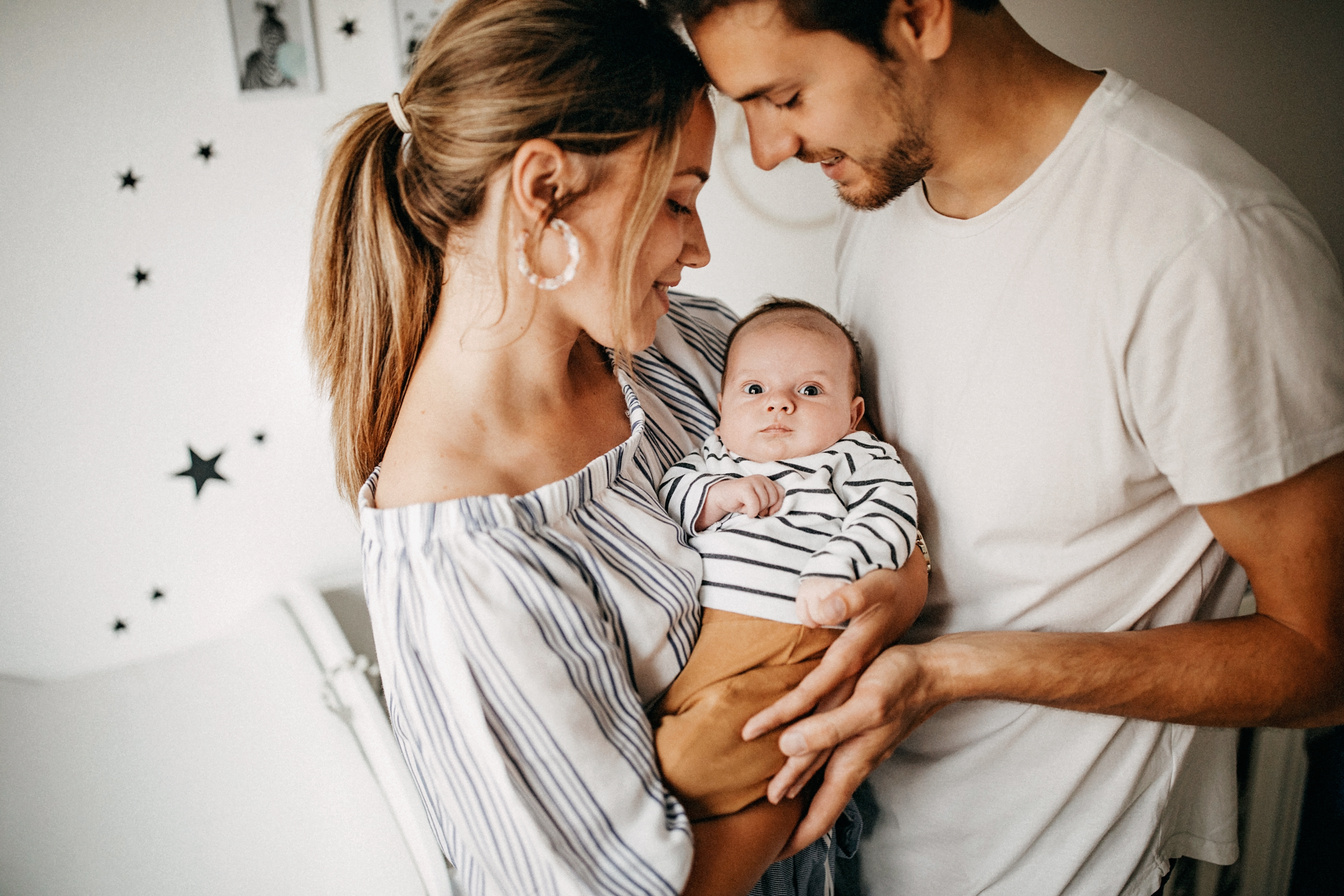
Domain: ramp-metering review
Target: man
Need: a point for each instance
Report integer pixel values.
(1110, 347)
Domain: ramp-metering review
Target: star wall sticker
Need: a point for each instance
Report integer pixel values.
(206, 150)
(140, 276)
(157, 595)
(201, 470)
(119, 626)
(349, 26)
(128, 179)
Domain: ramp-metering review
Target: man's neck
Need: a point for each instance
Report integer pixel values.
(1004, 103)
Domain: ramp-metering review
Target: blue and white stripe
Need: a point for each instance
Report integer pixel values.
(847, 511)
(521, 640)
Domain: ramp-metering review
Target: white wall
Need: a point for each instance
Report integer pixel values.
(106, 384)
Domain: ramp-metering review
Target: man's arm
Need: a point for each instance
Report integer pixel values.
(1281, 666)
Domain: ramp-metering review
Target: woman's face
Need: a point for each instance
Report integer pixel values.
(675, 239)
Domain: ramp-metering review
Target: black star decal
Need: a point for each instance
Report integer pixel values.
(119, 626)
(202, 470)
(140, 275)
(128, 179)
(156, 595)
(350, 27)
(205, 150)
(260, 437)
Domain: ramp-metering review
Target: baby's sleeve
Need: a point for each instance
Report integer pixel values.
(880, 524)
(684, 487)
(519, 721)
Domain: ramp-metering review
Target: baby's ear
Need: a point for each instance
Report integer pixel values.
(855, 412)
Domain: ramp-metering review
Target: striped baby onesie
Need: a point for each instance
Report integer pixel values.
(847, 511)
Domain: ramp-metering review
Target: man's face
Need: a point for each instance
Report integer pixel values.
(819, 97)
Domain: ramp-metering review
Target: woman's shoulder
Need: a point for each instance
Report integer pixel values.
(699, 323)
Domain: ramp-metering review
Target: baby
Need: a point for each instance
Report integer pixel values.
(787, 502)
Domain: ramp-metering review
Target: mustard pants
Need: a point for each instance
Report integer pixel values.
(739, 666)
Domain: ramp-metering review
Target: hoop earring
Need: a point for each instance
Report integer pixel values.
(571, 266)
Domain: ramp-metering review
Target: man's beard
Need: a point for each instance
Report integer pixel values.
(905, 163)
(906, 159)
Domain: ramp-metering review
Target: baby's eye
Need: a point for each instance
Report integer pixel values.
(809, 389)
(753, 389)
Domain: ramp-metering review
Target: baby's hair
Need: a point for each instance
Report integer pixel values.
(804, 316)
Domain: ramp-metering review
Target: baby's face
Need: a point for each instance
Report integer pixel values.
(787, 392)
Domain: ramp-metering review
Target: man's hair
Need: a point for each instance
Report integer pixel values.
(859, 20)
(803, 315)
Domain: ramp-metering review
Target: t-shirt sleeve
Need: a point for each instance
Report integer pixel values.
(878, 531)
(519, 721)
(1235, 367)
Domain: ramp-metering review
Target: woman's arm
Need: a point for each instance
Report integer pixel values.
(519, 721)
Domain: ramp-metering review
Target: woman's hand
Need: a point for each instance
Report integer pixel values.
(880, 607)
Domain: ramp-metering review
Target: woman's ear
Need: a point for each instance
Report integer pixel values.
(919, 29)
(540, 175)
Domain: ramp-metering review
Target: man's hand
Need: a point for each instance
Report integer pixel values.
(748, 495)
(880, 607)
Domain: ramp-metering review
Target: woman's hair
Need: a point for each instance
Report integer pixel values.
(591, 75)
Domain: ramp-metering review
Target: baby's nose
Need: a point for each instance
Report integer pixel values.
(781, 403)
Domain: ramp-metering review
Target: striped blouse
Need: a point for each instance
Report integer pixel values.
(521, 640)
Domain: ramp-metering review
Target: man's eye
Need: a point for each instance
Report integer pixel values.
(753, 389)
(810, 390)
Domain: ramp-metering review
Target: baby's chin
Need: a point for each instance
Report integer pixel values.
(784, 450)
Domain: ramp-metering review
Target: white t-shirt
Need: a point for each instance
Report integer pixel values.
(1150, 322)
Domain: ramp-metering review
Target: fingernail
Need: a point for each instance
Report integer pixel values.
(832, 610)
(792, 743)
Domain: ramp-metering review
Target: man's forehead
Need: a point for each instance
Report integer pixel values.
(743, 41)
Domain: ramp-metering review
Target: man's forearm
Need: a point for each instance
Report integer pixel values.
(1246, 671)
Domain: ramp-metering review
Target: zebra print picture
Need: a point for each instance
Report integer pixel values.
(273, 45)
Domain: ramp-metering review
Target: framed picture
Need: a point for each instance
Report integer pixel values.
(414, 18)
(273, 47)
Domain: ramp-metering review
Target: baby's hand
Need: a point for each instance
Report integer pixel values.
(750, 495)
(812, 595)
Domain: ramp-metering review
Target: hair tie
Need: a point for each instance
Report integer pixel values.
(398, 116)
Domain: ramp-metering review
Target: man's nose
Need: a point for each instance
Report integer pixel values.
(771, 141)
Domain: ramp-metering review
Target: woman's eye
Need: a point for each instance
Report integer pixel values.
(677, 208)
(789, 103)
(809, 390)
(753, 389)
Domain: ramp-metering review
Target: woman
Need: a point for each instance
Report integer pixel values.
(493, 253)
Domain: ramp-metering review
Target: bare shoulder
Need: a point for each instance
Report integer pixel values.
(422, 467)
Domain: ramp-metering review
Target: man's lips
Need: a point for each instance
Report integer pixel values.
(829, 161)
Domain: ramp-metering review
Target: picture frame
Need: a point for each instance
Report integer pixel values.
(413, 21)
(274, 51)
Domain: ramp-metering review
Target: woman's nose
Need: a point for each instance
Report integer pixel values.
(694, 246)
